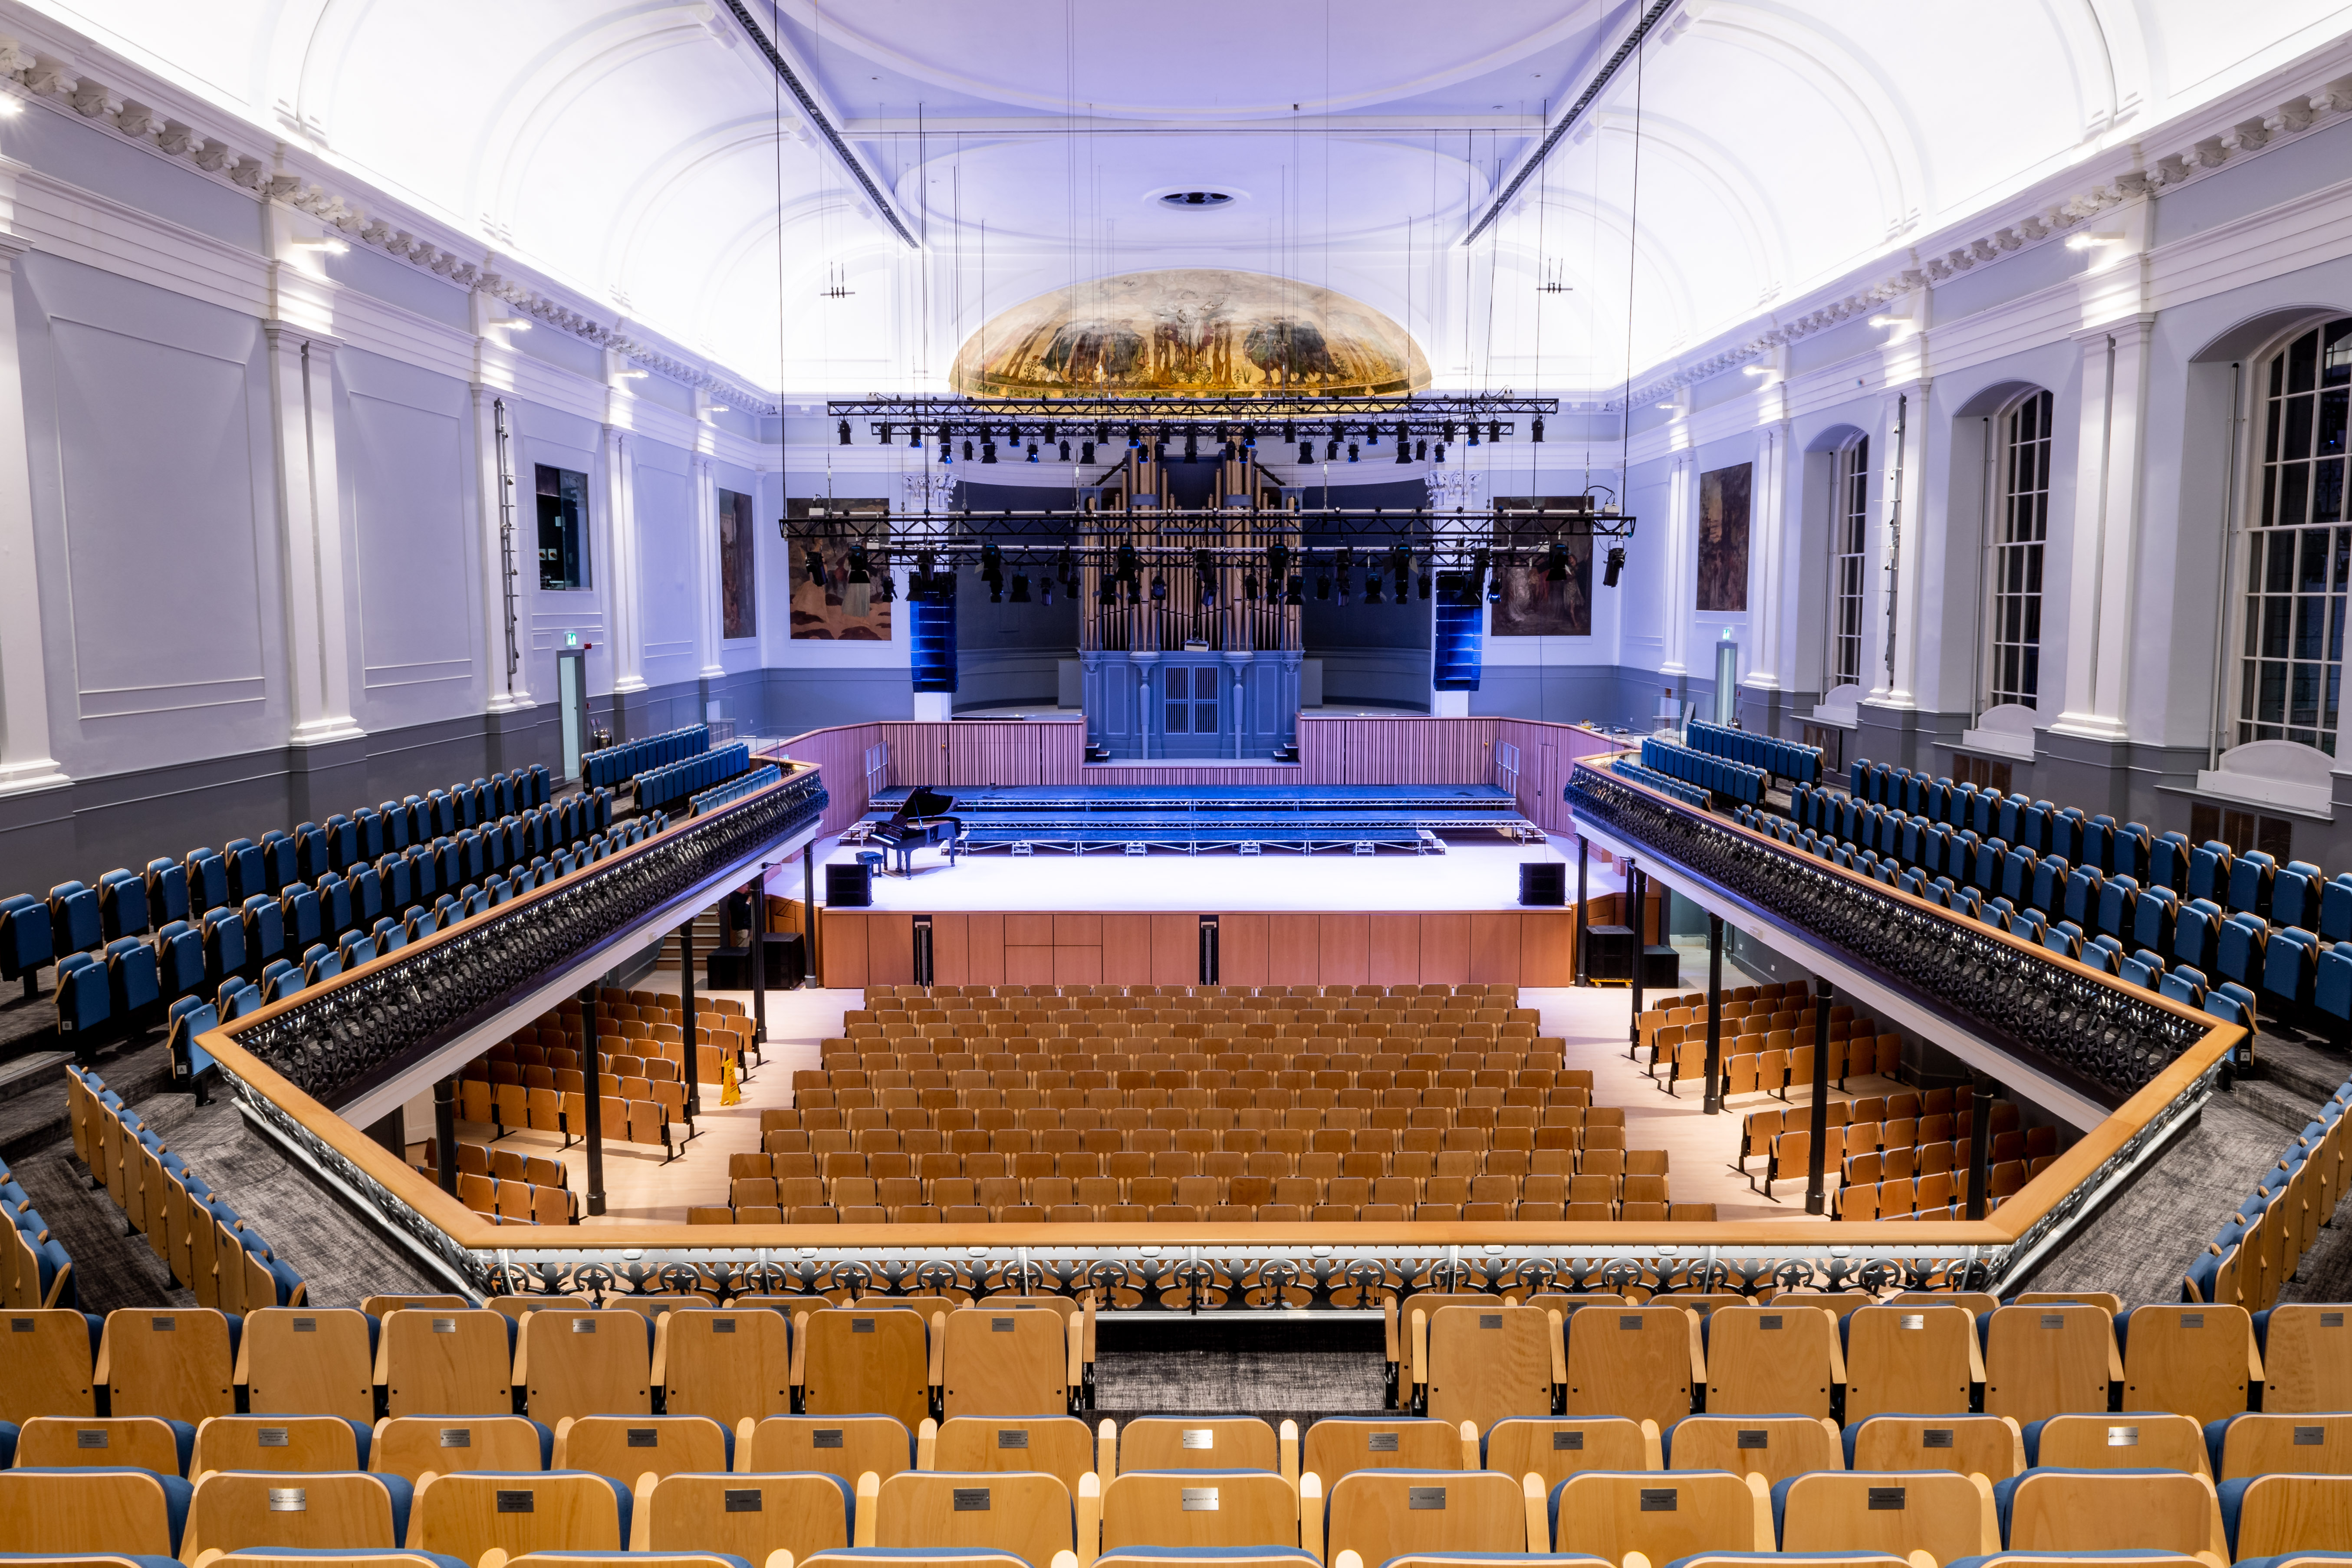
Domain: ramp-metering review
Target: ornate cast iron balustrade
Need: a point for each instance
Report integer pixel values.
(2099, 1035)
(331, 1043)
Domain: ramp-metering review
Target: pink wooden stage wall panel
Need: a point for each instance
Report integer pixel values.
(973, 753)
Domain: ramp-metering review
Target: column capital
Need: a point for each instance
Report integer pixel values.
(282, 333)
(2136, 328)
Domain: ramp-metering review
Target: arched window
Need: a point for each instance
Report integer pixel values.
(2299, 552)
(2019, 541)
(1849, 533)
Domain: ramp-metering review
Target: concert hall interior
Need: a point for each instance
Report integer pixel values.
(1591, 741)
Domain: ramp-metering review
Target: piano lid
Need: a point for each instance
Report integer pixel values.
(924, 801)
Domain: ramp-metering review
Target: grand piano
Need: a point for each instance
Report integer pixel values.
(922, 819)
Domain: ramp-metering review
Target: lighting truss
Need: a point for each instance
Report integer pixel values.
(1231, 536)
(1274, 414)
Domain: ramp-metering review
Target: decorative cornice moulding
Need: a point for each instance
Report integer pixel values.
(46, 65)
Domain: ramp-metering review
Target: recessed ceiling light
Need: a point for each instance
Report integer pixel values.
(1196, 201)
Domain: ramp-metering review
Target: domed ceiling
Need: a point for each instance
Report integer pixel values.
(1187, 332)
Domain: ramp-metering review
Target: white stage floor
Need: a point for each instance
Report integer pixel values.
(1467, 876)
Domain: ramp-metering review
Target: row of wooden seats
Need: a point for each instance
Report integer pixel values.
(1111, 1090)
(1938, 1195)
(548, 1358)
(225, 1261)
(1893, 1121)
(2257, 1249)
(503, 1201)
(1525, 1212)
(1220, 1014)
(1317, 1071)
(1581, 1143)
(874, 993)
(507, 1165)
(644, 1115)
(1272, 1163)
(996, 1193)
(1001, 1517)
(1304, 1110)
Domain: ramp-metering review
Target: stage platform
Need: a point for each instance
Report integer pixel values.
(1222, 818)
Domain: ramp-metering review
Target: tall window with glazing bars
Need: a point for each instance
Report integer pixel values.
(2018, 546)
(2299, 549)
(1849, 524)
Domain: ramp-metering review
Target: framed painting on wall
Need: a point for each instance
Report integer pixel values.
(828, 611)
(738, 601)
(1532, 604)
(1723, 538)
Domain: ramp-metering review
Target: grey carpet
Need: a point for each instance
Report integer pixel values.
(111, 1268)
(340, 1260)
(2142, 1243)
(1277, 1371)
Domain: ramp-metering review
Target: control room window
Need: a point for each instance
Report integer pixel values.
(562, 528)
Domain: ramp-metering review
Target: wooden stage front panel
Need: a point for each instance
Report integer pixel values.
(1302, 947)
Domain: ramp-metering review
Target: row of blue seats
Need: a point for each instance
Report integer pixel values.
(53, 1282)
(2219, 1263)
(1799, 763)
(1737, 779)
(759, 778)
(337, 925)
(79, 919)
(2306, 972)
(1689, 794)
(658, 789)
(286, 1281)
(2242, 882)
(2203, 940)
(610, 767)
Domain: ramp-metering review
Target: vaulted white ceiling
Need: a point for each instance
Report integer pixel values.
(643, 153)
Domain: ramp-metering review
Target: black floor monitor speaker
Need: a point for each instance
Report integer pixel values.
(1609, 952)
(1543, 882)
(848, 887)
(1662, 968)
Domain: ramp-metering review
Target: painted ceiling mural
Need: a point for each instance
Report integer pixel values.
(1189, 330)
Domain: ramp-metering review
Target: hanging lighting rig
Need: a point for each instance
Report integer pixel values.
(1105, 428)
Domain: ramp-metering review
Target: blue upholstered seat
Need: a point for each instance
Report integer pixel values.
(26, 947)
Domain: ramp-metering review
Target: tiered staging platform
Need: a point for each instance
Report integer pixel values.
(1198, 819)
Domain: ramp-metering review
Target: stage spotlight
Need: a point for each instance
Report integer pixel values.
(815, 567)
(1051, 433)
(1473, 435)
(1249, 437)
(1616, 564)
(1249, 586)
(1046, 589)
(1102, 435)
(992, 562)
(1290, 429)
(1021, 587)
(967, 451)
(1420, 449)
(915, 437)
(885, 432)
(1444, 432)
(857, 595)
(1065, 451)
(1191, 446)
(1494, 430)
(1135, 435)
(1295, 593)
(1422, 587)
(1033, 452)
(1109, 595)
(1086, 451)
(1403, 445)
(1556, 562)
(885, 582)
(996, 590)
(1331, 452)
(1306, 451)
(1323, 583)
(1373, 588)
(1127, 563)
(1351, 451)
(1065, 570)
(1277, 563)
(1224, 434)
(1441, 451)
(988, 451)
(845, 432)
(1159, 589)
(1535, 429)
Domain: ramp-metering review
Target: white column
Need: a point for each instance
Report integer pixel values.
(1768, 616)
(2102, 534)
(1682, 566)
(24, 762)
(311, 535)
(710, 614)
(624, 600)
